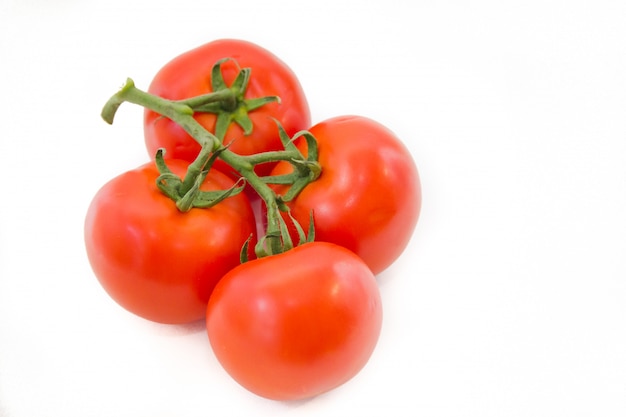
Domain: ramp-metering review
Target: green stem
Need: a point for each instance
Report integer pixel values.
(272, 156)
(176, 111)
(134, 95)
(181, 113)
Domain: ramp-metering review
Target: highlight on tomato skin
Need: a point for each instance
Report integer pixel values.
(155, 261)
(295, 325)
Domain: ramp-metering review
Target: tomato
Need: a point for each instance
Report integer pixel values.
(189, 75)
(297, 324)
(156, 261)
(368, 197)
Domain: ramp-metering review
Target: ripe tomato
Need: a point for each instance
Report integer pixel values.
(368, 197)
(297, 324)
(189, 75)
(156, 261)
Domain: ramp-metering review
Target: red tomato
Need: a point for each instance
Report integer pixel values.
(297, 324)
(189, 75)
(154, 260)
(368, 197)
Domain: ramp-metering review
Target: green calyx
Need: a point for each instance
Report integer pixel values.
(277, 238)
(231, 106)
(306, 169)
(186, 193)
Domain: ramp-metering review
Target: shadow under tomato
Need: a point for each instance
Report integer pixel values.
(185, 329)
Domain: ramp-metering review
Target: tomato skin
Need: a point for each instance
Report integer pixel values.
(155, 261)
(368, 197)
(189, 75)
(294, 325)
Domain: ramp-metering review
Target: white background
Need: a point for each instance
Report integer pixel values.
(510, 299)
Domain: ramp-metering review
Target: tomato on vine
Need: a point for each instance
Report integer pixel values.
(267, 90)
(288, 316)
(155, 260)
(368, 196)
(294, 325)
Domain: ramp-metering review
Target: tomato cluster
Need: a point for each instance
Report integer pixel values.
(289, 314)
